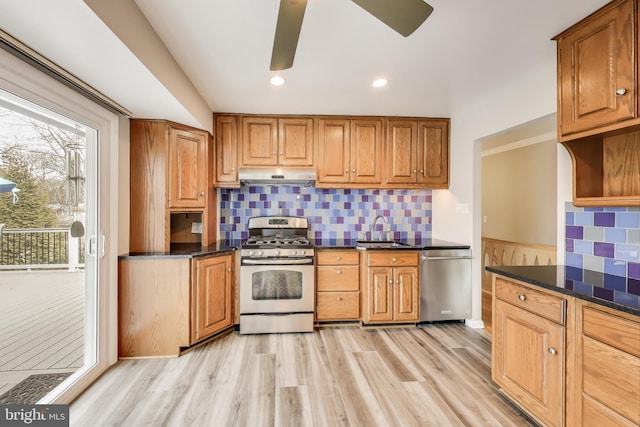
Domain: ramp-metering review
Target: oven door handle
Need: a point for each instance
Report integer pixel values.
(288, 261)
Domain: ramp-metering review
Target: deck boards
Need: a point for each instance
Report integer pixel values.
(436, 375)
(41, 324)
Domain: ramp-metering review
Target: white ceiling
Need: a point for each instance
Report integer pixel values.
(464, 50)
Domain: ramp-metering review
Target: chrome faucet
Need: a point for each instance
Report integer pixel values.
(373, 226)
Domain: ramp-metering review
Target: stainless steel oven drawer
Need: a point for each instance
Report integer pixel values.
(276, 323)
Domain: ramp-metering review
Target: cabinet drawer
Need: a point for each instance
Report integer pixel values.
(546, 305)
(338, 278)
(338, 306)
(339, 257)
(392, 259)
(616, 331)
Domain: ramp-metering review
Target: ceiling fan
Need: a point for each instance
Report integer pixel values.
(403, 16)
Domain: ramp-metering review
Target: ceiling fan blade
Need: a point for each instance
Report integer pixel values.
(287, 32)
(404, 16)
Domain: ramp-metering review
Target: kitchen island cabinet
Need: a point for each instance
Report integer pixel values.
(337, 285)
(528, 348)
(169, 303)
(599, 382)
(391, 290)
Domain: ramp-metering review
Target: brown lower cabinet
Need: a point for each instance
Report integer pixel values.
(563, 360)
(337, 285)
(166, 304)
(391, 289)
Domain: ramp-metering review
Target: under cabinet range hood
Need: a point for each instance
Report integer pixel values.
(277, 176)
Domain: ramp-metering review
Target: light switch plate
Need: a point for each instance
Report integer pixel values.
(196, 227)
(462, 208)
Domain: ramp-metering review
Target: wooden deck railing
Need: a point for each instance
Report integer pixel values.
(502, 252)
(35, 248)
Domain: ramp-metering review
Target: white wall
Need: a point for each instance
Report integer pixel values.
(519, 194)
(518, 100)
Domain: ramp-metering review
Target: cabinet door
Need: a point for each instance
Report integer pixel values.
(406, 294)
(334, 154)
(295, 142)
(401, 151)
(380, 295)
(596, 70)
(259, 141)
(366, 151)
(187, 169)
(528, 361)
(433, 152)
(211, 296)
(226, 149)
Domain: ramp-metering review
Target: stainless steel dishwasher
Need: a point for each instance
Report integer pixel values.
(445, 284)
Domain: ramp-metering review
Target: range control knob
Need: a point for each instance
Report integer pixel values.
(294, 252)
(260, 253)
(302, 252)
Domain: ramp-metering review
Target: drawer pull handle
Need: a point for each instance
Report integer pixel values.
(522, 297)
(621, 91)
(552, 351)
(393, 260)
(338, 271)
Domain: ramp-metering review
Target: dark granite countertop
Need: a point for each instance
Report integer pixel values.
(188, 250)
(620, 293)
(409, 244)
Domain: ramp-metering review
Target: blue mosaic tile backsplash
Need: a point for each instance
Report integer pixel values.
(332, 213)
(603, 239)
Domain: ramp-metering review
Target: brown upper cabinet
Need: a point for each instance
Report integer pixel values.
(598, 120)
(418, 152)
(272, 141)
(349, 152)
(171, 185)
(226, 132)
(598, 73)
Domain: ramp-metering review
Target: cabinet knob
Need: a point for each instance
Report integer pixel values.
(338, 258)
(415, 171)
(391, 281)
(353, 171)
(202, 193)
(346, 171)
(552, 351)
(339, 299)
(338, 271)
(397, 281)
(274, 153)
(393, 260)
(233, 169)
(422, 171)
(282, 153)
(621, 91)
(229, 269)
(522, 297)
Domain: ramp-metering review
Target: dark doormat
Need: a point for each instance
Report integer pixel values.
(33, 388)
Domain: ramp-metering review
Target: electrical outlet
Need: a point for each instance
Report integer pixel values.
(196, 227)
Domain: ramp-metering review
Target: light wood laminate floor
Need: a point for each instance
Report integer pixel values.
(436, 375)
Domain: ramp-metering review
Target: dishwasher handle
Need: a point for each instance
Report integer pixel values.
(436, 258)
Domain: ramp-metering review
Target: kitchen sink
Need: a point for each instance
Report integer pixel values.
(379, 244)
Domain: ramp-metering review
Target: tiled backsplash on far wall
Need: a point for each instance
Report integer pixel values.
(333, 213)
(604, 239)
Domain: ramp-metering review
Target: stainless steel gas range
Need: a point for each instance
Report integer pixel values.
(277, 280)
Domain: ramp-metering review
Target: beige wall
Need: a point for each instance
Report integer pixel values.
(519, 194)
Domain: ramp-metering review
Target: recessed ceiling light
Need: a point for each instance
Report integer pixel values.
(277, 81)
(379, 82)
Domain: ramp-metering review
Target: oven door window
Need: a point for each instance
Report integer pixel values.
(276, 285)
